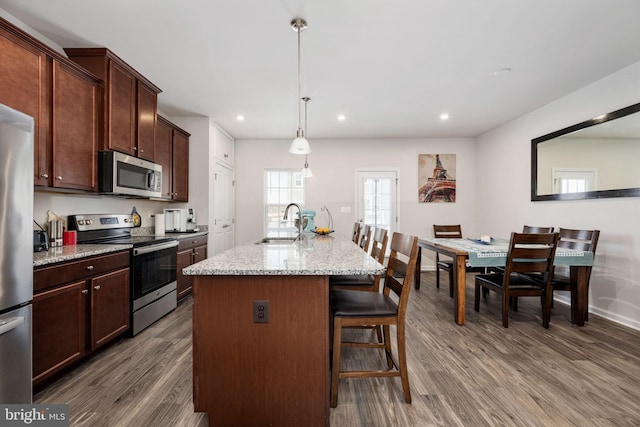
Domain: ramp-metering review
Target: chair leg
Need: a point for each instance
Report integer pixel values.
(387, 345)
(546, 309)
(402, 362)
(437, 276)
(476, 302)
(335, 363)
(505, 309)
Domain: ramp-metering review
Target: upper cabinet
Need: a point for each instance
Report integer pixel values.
(224, 146)
(74, 128)
(129, 103)
(63, 98)
(172, 152)
(23, 86)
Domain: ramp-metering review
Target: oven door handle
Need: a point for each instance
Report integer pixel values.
(154, 248)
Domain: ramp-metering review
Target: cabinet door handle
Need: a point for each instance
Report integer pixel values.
(226, 156)
(141, 150)
(196, 253)
(135, 148)
(85, 291)
(45, 175)
(96, 287)
(59, 178)
(90, 267)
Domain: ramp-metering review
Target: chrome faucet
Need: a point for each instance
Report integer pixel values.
(286, 211)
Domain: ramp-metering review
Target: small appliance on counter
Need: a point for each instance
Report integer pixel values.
(180, 221)
(40, 241)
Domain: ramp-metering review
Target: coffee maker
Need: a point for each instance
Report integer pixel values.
(180, 220)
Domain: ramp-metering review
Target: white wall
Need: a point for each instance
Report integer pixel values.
(503, 193)
(334, 163)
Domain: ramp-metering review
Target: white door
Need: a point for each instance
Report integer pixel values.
(377, 199)
(223, 208)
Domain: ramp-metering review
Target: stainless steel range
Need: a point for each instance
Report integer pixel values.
(153, 264)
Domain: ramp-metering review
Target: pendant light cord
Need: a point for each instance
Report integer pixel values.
(299, 29)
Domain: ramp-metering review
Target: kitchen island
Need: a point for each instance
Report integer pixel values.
(261, 330)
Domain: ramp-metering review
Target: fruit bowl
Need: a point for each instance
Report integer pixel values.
(323, 231)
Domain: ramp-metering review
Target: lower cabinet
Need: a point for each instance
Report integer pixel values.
(190, 251)
(78, 307)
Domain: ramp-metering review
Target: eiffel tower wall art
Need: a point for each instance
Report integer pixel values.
(436, 178)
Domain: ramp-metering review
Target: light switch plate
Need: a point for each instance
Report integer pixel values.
(345, 209)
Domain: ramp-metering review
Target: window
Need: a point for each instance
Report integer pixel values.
(282, 186)
(573, 180)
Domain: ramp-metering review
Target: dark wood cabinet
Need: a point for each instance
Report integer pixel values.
(130, 102)
(59, 334)
(147, 119)
(109, 307)
(24, 70)
(180, 166)
(63, 99)
(78, 307)
(119, 108)
(190, 251)
(172, 152)
(74, 128)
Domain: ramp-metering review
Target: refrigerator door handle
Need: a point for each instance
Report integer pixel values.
(10, 325)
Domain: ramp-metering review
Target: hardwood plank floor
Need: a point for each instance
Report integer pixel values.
(479, 374)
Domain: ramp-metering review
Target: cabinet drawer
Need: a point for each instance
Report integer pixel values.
(57, 274)
(191, 242)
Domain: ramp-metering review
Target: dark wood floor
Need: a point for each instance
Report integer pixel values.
(479, 374)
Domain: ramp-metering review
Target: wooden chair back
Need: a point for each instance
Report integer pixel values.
(532, 229)
(379, 244)
(579, 240)
(356, 232)
(400, 269)
(447, 231)
(365, 237)
(531, 253)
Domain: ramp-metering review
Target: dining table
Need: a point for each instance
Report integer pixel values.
(477, 253)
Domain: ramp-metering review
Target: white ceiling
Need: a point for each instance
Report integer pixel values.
(391, 66)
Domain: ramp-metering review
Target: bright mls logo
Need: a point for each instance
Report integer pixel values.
(34, 415)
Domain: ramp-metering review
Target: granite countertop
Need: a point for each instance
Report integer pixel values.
(314, 255)
(71, 252)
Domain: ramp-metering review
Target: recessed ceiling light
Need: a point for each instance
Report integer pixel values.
(342, 117)
(444, 116)
(502, 71)
(240, 117)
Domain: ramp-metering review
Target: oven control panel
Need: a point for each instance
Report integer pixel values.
(88, 222)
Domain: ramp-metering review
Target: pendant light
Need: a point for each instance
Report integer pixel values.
(299, 145)
(306, 170)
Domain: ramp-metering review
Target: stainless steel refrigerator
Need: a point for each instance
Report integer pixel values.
(16, 255)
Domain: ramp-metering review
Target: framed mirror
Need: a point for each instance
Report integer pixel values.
(594, 159)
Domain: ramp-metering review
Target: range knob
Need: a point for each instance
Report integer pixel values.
(81, 222)
(88, 221)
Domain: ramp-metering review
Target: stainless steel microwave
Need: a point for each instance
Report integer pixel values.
(121, 174)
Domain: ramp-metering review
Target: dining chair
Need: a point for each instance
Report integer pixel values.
(449, 232)
(533, 229)
(356, 308)
(356, 232)
(580, 240)
(367, 282)
(527, 273)
(365, 237)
